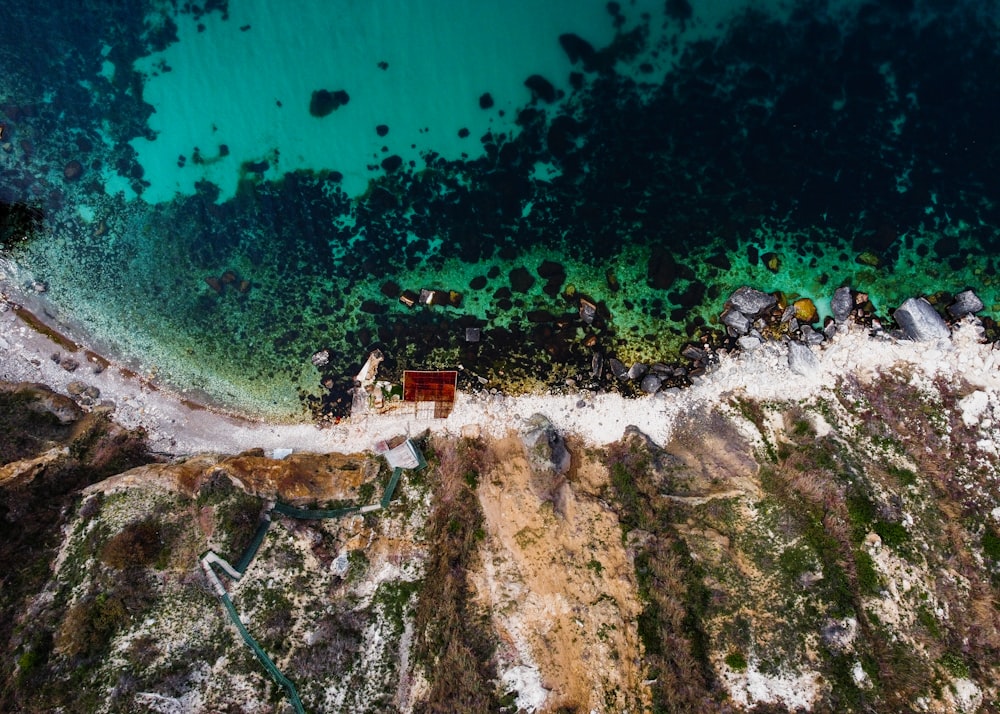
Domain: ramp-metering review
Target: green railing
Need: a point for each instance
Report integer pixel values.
(211, 558)
(269, 665)
(251, 552)
(314, 514)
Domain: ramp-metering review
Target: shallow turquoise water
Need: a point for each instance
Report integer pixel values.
(216, 232)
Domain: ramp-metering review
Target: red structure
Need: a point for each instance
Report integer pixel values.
(431, 390)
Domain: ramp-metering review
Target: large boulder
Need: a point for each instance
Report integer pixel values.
(842, 304)
(637, 370)
(619, 370)
(549, 460)
(750, 301)
(545, 446)
(966, 303)
(810, 336)
(42, 400)
(920, 321)
(736, 320)
(801, 359)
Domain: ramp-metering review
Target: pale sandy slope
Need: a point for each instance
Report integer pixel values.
(174, 428)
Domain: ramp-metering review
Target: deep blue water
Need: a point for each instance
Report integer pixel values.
(186, 208)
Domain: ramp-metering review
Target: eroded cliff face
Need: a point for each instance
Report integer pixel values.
(839, 553)
(834, 554)
(559, 585)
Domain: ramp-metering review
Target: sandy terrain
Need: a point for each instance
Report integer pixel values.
(178, 427)
(560, 587)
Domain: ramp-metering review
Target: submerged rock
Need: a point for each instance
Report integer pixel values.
(541, 88)
(324, 101)
(577, 48)
(321, 358)
(801, 359)
(805, 310)
(920, 321)
(73, 170)
(391, 163)
(966, 303)
(521, 280)
(750, 301)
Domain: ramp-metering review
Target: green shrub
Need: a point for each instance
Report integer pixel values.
(905, 476)
(237, 518)
(892, 534)
(216, 489)
(955, 665)
(927, 620)
(89, 625)
(366, 492)
(869, 582)
(649, 629)
(991, 544)
(860, 512)
(736, 661)
(796, 560)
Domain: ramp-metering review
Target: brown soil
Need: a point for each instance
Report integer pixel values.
(561, 587)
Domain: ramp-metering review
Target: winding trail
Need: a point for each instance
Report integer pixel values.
(212, 560)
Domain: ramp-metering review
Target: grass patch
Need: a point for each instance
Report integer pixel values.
(906, 477)
(736, 661)
(869, 582)
(671, 584)
(954, 665)
(795, 561)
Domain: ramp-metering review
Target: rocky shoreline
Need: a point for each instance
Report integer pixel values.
(779, 346)
(765, 540)
(752, 317)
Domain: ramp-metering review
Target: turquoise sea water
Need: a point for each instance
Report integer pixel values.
(215, 191)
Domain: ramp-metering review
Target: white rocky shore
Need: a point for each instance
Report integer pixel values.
(175, 427)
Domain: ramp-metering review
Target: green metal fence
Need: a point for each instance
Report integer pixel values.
(211, 559)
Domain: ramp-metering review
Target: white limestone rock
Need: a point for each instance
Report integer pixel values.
(801, 359)
(920, 321)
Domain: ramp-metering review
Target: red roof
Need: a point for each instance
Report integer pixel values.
(438, 387)
(429, 386)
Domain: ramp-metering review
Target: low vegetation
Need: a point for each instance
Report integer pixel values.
(34, 672)
(855, 560)
(840, 554)
(453, 641)
(670, 584)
